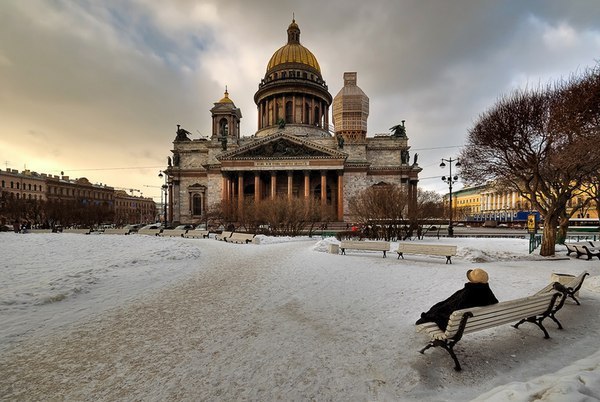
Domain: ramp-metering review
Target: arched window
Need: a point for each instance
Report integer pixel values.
(223, 127)
(289, 112)
(197, 204)
(317, 117)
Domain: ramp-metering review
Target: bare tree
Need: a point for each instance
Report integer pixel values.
(383, 208)
(540, 143)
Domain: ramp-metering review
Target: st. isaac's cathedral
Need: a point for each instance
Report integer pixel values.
(295, 151)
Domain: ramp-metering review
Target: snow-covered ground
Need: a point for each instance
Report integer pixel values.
(109, 317)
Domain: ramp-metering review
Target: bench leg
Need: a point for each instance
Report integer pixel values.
(535, 321)
(572, 296)
(555, 320)
(400, 255)
(448, 348)
(343, 251)
(384, 254)
(448, 259)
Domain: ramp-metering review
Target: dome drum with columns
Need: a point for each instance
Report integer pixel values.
(293, 90)
(292, 153)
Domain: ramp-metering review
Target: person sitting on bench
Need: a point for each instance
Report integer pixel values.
(476, 293)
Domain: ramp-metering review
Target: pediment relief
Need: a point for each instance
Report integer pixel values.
(281, 146)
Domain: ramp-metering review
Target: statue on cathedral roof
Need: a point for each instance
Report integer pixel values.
(182, 134)
(399, 130)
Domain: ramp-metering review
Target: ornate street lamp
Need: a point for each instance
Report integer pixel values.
(450, 180)
(164, 189)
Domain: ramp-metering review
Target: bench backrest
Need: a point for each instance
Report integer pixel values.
(196, 233)
(116, 231)
(241, 237)
(82, 231)
(150, 232)
(432, 249)
(39, 230)
(224, 235)
(501, 313)
(365, 245)
(173, 232)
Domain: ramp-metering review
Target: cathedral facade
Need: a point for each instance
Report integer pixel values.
(295, 151)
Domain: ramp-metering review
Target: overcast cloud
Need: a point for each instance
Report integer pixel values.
(96, 89)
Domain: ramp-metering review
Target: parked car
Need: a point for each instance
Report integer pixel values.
(6, 228)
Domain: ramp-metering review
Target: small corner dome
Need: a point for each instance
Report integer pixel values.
(225, 98)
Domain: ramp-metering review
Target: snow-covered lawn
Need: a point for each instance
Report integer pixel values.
(109, 317)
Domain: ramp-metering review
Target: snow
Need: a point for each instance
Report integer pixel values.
(111, 317)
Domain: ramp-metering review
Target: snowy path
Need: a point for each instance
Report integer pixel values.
(283, 322)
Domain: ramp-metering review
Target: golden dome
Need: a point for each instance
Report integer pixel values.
(225, 98)
(293, 52)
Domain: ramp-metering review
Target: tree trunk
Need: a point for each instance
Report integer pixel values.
(548, 247)
(562, 230)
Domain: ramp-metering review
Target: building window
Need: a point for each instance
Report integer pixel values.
(197, 204)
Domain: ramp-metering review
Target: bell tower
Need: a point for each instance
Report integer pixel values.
(226, 119)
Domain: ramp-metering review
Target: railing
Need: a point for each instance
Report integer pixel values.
(534, 241)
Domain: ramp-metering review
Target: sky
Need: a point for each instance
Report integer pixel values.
(153, 318)
(96, 89)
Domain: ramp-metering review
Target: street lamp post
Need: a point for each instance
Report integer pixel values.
(164, 189)
(450, 180)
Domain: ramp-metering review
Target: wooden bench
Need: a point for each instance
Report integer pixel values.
(590, 252)
(197, 234)
(223, 236)
(80, 231)
(173, 232)
(426, 249)
(149, 232)
(576, 248)
(240, 238)
(365, 245)
(533, 309)
(122, 231)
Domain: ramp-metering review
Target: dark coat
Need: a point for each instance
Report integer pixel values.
(472, 295)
